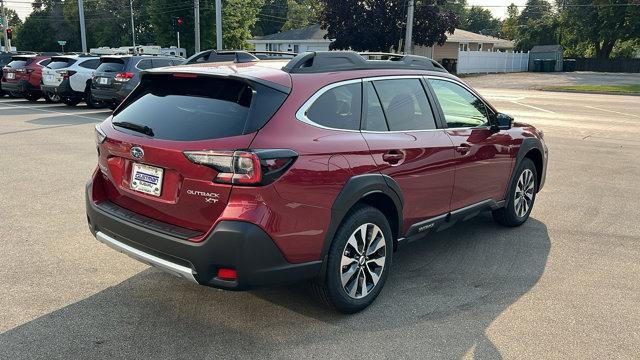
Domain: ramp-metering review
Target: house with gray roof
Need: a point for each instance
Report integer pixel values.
(310, 38)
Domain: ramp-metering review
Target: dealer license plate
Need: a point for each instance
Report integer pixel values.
(11, 76)
(103, 81)
(147, 179)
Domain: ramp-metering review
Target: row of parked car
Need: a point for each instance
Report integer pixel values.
(72, 78)
(100, 81)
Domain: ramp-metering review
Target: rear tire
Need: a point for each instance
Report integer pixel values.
(71, 102)
(49, 98)
(32, 97)
(521, 196)
(358, 261)
(92, 103)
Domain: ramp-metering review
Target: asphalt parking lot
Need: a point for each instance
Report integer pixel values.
(564, 285)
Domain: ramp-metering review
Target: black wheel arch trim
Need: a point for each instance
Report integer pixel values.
(527, 145)
(354, 190)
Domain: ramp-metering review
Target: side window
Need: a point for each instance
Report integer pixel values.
(202, 58)
(460, 107)
(374, 119)
(90, 64)
(405, 104)
(145, 64)
(161, 63)
(338, 108)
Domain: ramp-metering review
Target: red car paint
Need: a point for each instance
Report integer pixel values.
(440, 171)
(31, 73)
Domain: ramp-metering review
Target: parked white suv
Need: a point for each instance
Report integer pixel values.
(67, 78)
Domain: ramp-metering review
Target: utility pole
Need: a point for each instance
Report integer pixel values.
(219, 24)
(7, 42)
(83, 31)
(133, 26)
(408, 43)
(196, 23)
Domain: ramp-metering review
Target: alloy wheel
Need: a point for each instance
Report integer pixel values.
(363, 260)
(523, 198)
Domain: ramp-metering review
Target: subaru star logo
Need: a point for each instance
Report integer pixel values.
(137, 152)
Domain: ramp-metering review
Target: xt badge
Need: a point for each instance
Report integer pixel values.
(209, 197)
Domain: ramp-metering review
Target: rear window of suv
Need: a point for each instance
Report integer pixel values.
(190, 109)
(17, 63)
(110, 65)
(60, 63)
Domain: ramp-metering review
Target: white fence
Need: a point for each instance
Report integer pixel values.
(473, 62)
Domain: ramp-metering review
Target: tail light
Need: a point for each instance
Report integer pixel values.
(256, 167)
(67, 73)
(123, 76)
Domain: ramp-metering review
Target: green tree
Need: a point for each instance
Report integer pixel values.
(378, 25)
(534, 10)
(480, 20)
(238, 19)
(303, 13)
(601, 25)
(272, 17)
(538, 32)
(510, 24)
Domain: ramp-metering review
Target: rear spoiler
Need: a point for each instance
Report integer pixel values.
(230, 75)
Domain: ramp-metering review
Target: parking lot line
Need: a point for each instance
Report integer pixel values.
(611, 111)
(59, 112)
(533, 107)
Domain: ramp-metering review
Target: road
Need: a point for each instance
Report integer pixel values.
(564, 285)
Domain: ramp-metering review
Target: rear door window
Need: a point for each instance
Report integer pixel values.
(145, 64)
(110, 65)
(190, 109)
(338, 107)
(374, 119)
(405, 104)
(161, 63)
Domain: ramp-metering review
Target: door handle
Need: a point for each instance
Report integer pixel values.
(463, 148)
(393, 157)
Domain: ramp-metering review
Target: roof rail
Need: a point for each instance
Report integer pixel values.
(266, 52)
(323, 61)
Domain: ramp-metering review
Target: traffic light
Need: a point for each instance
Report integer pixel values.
(177, 23)
(9, 33)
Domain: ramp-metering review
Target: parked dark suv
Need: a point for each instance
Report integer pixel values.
(319, 168)
(5, 58)
(118, 75)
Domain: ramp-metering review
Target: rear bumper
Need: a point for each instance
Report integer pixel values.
(20, 87)
(237, 245)
(64, 90)
(108, 95)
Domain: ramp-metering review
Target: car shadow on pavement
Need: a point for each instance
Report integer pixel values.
(443, 294)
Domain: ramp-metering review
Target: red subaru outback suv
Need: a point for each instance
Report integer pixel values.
(242, 175)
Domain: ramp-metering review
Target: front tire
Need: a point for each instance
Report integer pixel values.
(521, 197)
(358, 261)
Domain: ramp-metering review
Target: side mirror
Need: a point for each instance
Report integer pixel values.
(502, 122)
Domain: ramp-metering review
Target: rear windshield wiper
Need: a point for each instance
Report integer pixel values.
(144, 129)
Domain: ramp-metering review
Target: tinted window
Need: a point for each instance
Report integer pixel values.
(338, 108)
(17, 63)
(202, 58)
(60, 63)
(90, 64)
(111, 65)
(145, 64)
(161, 63)
(373, 115)
(460, 107)
(405, 104)
(215, 57)
(189, 109)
